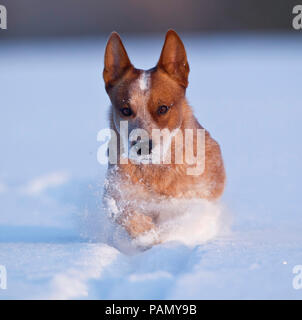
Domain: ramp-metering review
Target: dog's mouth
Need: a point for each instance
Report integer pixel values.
(139, 148)
(141, 151)
(142, 147)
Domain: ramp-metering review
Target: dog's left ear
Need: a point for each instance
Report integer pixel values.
(173, 59)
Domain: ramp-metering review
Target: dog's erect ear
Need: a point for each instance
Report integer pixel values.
(173, 58)
(116, 61)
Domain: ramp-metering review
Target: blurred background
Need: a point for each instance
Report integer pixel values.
(245, 88)
(56, 18)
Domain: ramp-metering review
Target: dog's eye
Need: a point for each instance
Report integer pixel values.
(162, 109)
(126, 112)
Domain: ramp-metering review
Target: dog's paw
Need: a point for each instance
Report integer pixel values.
(138, 224)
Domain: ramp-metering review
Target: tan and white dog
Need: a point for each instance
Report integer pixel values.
(152, 101)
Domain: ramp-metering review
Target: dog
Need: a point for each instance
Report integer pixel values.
(147, 101)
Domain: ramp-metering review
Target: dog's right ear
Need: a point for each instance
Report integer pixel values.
(116, 61)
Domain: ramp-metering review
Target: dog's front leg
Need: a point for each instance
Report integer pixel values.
(137, 223)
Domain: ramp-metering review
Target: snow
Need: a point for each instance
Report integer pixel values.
(55, 241)
(38, 185)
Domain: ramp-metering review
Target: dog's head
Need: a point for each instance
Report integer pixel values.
(147, 99)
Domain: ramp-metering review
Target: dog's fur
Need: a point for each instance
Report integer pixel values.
(129, 185)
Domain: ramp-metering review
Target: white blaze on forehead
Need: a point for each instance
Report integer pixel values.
(139, 91)
(144, 81)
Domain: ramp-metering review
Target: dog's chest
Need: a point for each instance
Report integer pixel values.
(129, 189)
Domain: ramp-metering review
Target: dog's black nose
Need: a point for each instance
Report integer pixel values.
(148, 148)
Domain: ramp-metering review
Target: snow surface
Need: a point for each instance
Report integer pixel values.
(54, 238)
